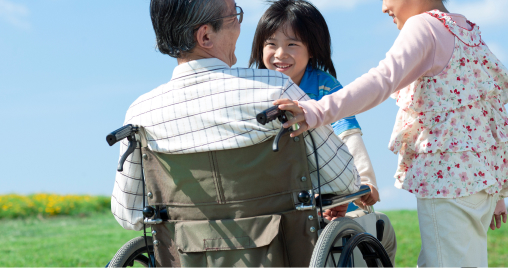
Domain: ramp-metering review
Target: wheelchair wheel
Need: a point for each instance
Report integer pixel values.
(133, 251)
(337, 243)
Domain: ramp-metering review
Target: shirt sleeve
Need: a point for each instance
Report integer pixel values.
(411, 56)
(127, 197)
(353, 140)
(338, 174)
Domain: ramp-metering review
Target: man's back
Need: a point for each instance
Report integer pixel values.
(208, 106)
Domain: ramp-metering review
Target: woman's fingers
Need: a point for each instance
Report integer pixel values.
(498, 221)
(297, 120)
(298, 115)
(504, 217)
(492, 224)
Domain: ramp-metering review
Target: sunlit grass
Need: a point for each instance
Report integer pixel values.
(61, 241)
(91, 239)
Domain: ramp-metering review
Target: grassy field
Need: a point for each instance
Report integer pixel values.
(92, 241)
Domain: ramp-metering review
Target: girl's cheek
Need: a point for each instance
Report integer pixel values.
(267, 57)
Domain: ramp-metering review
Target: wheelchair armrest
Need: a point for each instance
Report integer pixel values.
(332, 200)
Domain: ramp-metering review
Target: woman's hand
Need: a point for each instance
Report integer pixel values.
(298, 115)
(499, 212)
(336, 212)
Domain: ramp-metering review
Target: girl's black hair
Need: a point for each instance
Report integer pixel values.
(307, 23)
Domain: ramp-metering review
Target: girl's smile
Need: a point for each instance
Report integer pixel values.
(286, 53)
(282, 67)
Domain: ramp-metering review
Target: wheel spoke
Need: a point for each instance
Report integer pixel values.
(142, 259)
(333, 259)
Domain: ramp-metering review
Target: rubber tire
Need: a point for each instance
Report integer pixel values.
(328, 238)
(367, 244)
(130, 250)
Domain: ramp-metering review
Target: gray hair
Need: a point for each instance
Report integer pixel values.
(175, 21)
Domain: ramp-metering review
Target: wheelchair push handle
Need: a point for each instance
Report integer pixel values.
(268, 116)
(121, 134)
(127, 131)
(271, 114)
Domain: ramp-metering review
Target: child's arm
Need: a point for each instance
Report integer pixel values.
(499, 212)
(354, 142)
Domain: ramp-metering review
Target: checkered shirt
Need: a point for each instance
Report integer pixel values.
(208, 106)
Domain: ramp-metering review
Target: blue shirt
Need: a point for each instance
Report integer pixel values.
(316, 84)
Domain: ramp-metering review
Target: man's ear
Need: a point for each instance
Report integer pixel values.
(203, 35)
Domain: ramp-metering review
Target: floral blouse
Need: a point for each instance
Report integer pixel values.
(451, 130)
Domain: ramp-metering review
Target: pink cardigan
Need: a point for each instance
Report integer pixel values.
(423, 48)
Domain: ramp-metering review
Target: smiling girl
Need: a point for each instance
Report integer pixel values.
(451, 131)
(292, 37)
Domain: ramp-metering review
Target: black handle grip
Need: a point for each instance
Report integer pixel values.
(269, 115)
(121, 134)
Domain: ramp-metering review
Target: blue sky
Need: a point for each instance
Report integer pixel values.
(70, 69)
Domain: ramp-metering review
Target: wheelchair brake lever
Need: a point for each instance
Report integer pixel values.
(275, 145)
(271, 114)
(130, 149)
(283, 119)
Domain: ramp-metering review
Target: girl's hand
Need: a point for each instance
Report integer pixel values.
(499, 212)
(370, 199)
(298, 115)
(336, 212)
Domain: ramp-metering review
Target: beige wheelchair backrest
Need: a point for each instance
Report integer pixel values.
(232, 207)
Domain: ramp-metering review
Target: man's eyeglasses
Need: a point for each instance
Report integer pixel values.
(239, 15)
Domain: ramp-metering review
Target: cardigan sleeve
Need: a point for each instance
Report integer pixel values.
(412, 55)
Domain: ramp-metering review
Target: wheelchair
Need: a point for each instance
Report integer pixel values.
(226, 208)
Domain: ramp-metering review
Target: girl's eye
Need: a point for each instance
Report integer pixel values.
(292, 44)
(269, 44)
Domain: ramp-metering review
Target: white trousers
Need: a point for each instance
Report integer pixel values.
(454, 230)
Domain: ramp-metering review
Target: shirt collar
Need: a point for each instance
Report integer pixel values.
(307, 76)
(197, 66)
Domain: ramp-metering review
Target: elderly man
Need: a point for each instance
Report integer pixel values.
(207, 106)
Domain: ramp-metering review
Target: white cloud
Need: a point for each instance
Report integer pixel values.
(15, 14)
(481, 12)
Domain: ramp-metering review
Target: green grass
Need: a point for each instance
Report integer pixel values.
(61, 241)
(407, 231)
(93, 240)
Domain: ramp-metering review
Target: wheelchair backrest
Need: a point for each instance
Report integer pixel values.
(220, 196)
(212, 181)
